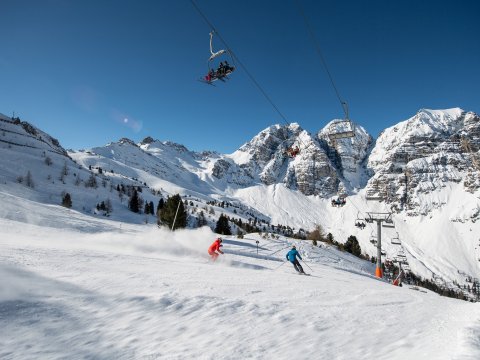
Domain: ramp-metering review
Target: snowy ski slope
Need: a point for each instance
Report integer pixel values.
(76, 288)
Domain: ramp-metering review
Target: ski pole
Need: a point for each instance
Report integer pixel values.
(279, 250)
(307, 265)
(278, 267)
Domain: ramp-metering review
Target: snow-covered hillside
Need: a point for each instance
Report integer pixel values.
(76, 288)
(422, 169)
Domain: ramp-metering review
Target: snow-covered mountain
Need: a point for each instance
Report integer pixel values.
(424, 169)
(424, 154)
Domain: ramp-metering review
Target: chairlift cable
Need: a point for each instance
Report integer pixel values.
(316, 44)
(249, 74)
(239, 62)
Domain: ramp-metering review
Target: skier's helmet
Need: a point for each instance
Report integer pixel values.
(220, 239)
(293, 247)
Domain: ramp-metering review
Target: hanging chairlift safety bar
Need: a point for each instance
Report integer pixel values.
(346, 133)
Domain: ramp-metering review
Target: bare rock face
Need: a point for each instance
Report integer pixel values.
(316, 170)
(423, 154)
(348, 154)
(264, 160)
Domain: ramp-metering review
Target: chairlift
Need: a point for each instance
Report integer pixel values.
(292, 151)
(360, 223)
(339, 201)
(400, 260)
(396, 240)
(348, 130)
(223, 70)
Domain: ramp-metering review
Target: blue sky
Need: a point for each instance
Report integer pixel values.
(90, 72)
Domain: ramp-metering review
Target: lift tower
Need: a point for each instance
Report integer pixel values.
(379, 218)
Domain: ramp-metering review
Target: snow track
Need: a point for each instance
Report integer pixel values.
(128, 296)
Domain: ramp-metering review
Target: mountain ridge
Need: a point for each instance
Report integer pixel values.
(426, 177)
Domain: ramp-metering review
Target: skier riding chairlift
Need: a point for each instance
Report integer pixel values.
(360, 223)
(340, 201)
(292, 151)
(223, 69)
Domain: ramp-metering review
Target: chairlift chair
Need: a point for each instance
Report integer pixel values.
(292, 151)
(221, 73)
(396, 240)
(339, 201)
(348, 132)
(360, 223)
(400, 260)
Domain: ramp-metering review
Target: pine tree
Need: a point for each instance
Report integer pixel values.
(161, 204)
(67, 201)
(92, 181)
(133, 202)
(352, 246)
(201, 221)
(29, 181)
(152, 208)
(222, 226)
(167, 215)
(65, 169)
(330, 238)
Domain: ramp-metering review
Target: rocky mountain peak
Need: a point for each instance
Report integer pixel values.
(127, 141)
(348, 154)
(147, 140)
(424, 153)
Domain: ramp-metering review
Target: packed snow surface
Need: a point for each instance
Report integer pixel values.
(74, 288)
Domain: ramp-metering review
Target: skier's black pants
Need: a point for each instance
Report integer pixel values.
(297, 266)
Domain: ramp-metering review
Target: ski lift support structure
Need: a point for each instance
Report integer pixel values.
(379, 218)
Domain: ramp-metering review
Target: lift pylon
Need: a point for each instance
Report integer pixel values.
(379, 218)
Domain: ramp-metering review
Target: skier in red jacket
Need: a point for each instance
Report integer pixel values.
(214, 249)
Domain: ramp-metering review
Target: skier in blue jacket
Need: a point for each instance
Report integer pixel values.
(292, 257)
